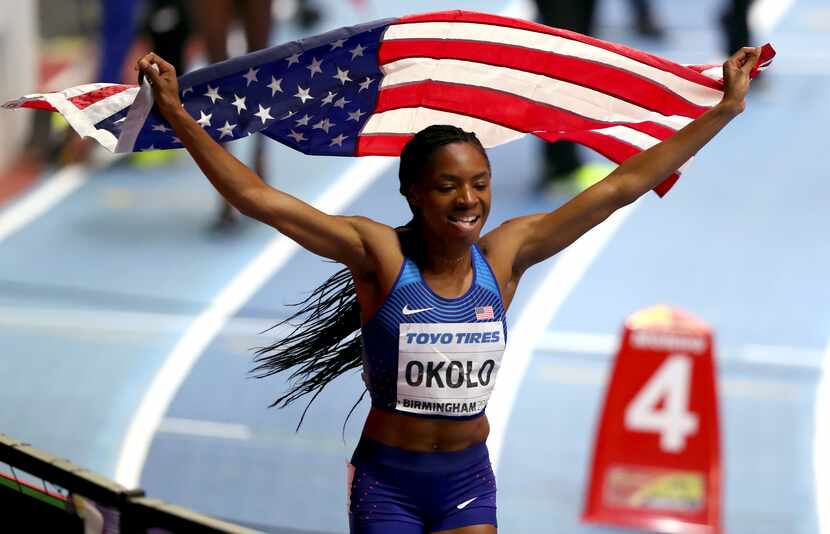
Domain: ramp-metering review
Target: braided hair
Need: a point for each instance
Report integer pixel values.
(325, 341)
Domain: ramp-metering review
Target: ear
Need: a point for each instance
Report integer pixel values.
(415, 195)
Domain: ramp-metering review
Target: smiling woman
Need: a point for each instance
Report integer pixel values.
(422, 307)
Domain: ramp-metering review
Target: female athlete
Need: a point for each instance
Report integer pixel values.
(430, 301)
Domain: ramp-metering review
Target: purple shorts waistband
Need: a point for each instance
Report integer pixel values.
(371, 451)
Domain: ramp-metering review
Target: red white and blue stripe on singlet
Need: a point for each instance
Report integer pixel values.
(433, 356)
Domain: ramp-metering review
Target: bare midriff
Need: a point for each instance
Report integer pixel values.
(421, 434)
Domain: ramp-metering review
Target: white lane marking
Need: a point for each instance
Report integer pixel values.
(764, 15)
(206, 429)
(205, 327)
(39, 201)
(741, 388)
(821, 446)
(104, 320)
(607, 344)
(535, 316)
(82, 321)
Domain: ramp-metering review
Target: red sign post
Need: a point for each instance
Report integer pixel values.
(656, 463)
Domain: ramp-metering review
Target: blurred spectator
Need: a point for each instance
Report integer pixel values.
(213, 19)
(735, 23)
(644, 21)
(307, 14)
(563, 171)
(166, 25)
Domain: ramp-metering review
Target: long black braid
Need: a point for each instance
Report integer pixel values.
(325, 341)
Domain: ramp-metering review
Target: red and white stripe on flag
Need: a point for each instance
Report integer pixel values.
(504, 78)
(484, 313)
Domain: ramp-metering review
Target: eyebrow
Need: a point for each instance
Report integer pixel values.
(454, 177)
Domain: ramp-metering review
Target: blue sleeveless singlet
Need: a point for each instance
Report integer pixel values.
(427, 355)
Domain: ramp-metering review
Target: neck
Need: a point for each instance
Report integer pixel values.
(445, 258)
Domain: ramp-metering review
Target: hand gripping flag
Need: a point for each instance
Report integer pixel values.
(366, 89)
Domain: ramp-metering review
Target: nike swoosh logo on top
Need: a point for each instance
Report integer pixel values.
(465, 503)
(407, 311)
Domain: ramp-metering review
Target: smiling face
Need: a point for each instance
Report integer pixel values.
(453, 192)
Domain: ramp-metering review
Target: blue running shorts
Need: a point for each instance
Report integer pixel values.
(407, 492)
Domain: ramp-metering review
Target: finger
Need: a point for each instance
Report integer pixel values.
(163, 65)
(150, 70)
(752, 59)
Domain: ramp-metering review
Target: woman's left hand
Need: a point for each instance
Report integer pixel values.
(736, 79)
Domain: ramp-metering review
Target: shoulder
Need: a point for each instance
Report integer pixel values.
(370, 230)
(381, 243)
(508, 236)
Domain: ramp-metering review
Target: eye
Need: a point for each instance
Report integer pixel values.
(445, 188)
(481, 186)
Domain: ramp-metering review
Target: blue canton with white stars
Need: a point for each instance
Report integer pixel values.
(313, 95)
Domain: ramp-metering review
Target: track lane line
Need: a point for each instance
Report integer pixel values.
(136, 443)
(821, 446)
(534, 318)
(34, 204)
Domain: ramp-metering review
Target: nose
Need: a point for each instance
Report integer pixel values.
(466, 196)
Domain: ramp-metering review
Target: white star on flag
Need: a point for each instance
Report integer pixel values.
(157, 127)
(297, 136)
(275, 85)
(177, 140)
(315, 67)
(204, 120)
(341, 102)
(239, 103)
(324, 125)
(304, 120)
(355, 115)
(304, 94)
(328, 98)
(365, 84)
(342, 75)
(339, 140)
(293, 59)
(251, 76)
(264, 114)
(338, 43)
(213, 94)
(357, 51)
(227, 129)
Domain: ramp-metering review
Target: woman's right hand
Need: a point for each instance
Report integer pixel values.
(162, 76)
(736, 77)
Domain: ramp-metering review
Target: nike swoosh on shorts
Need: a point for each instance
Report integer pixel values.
(465, 503)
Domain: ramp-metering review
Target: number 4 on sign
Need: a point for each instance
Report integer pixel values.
(674, 422)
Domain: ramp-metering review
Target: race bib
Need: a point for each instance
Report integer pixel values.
(448, 368)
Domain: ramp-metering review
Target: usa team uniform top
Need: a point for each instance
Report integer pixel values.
(428, 355)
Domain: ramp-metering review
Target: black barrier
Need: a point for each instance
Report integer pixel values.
(129, 508)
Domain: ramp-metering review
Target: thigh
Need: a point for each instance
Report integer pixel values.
(472, 529)
(380, 496)
(465, 501)
(383, 527)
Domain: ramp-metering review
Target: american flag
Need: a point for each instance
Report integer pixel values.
(484, 313)
(365, 90)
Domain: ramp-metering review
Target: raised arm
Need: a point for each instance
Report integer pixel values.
(529, 240)
(336, 237)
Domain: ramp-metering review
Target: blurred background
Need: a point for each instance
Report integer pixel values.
(130, 296)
